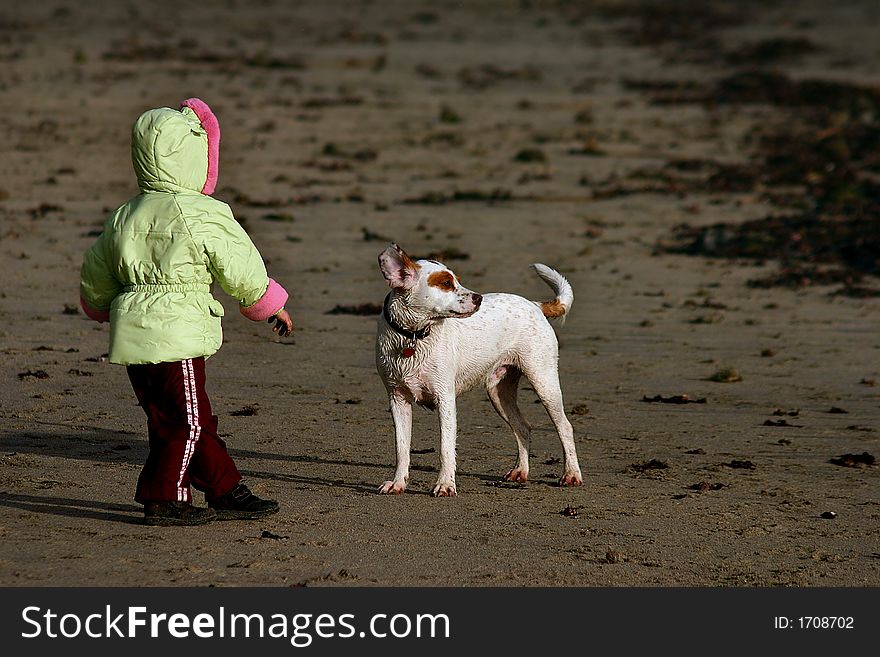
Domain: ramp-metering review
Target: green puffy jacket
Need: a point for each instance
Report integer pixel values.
(150, 272)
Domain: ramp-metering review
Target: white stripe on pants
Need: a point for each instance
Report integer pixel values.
(195, 429)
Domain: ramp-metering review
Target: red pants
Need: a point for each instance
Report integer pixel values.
(184, 445)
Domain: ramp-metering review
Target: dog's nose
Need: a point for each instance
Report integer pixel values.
(477, 299)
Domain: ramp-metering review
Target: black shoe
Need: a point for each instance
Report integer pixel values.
(241, 504)
(176, 514)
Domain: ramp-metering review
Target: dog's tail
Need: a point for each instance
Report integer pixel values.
(557, 308)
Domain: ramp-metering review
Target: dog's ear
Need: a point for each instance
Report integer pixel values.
(397, 267)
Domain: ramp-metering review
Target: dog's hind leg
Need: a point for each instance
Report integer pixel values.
(546, 385)
(502, 388)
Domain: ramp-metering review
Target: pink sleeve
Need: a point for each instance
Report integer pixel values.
(271, 302)
(91, 313)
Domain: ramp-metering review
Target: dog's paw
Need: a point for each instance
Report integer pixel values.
(522, 476)
(444, 490)
(571, 479)
(392, 488)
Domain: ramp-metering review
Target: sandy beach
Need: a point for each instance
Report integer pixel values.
(489, 135)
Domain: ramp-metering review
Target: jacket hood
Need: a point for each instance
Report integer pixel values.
(175, 150)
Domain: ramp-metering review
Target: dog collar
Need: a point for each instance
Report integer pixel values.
(412, 335)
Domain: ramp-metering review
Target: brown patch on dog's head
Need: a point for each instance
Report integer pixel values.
(409, 262)
(552, 309)
(442, 280)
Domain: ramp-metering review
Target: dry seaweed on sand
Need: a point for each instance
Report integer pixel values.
(283, 217)
(246, 411)
(854, 460)
(776, 88)
(370, 236)
(771, 51)
(448, 115)
(822, 164)
(675, 23)
(33, 374)
(445, 254)
(813, 251)
(761, 86)
(725, 375)
(482, 77)
(829, 152)
(185, 50)
(704, 486)
(652, 464)
(837, 217)
(467, 195)
(674, 399)
(530, 155)
(780, 423)
(276, 537)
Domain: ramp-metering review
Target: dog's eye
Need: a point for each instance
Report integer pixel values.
(442, 281)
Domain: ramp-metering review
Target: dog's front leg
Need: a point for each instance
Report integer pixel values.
(445, 486)
(401, 411)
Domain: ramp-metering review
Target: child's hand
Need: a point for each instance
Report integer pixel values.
(283, 323)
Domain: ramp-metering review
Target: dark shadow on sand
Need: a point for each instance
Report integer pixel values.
(105, 445)
(74, 508)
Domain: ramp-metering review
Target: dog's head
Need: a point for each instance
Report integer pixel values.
(429, 288)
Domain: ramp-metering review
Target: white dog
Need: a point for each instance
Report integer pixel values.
(433, 345)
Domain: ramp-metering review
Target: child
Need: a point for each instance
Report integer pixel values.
(149, 274)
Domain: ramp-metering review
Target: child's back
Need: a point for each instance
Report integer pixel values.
(150, 274)
(159, 253)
